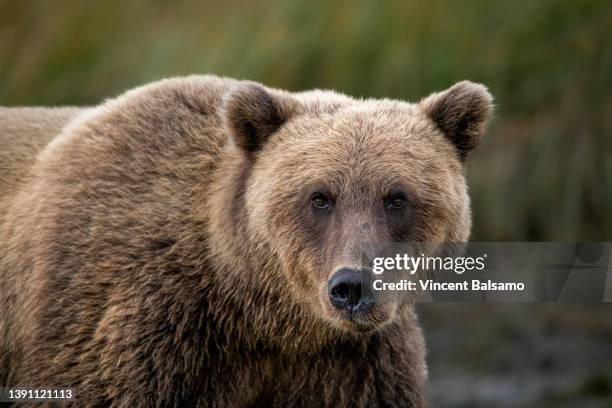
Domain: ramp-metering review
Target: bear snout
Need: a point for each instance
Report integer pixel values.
(350, 290)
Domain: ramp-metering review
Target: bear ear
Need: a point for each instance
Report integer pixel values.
(252, 114)
(462, 113)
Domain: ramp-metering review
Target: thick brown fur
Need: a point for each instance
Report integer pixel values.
(147, 257)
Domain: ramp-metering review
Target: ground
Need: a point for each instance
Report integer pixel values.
(519, 355)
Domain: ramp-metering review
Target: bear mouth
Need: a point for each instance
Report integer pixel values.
(362, 321)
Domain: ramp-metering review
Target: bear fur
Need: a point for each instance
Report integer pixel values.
(154, 251)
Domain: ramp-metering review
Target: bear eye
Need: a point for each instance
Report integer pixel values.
(395, 201)
(321, 201)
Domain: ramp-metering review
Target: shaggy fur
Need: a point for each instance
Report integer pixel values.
(158, 250)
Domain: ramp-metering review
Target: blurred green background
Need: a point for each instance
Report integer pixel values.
(542, 173)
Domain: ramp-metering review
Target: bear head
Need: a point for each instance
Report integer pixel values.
(329, 177)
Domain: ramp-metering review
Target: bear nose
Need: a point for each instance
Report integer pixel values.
(348, 291)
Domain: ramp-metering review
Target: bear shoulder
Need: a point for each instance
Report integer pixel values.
(154, 117)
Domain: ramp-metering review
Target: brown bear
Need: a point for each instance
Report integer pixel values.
(195, 242)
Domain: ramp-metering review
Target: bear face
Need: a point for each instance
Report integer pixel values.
(330, 177)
